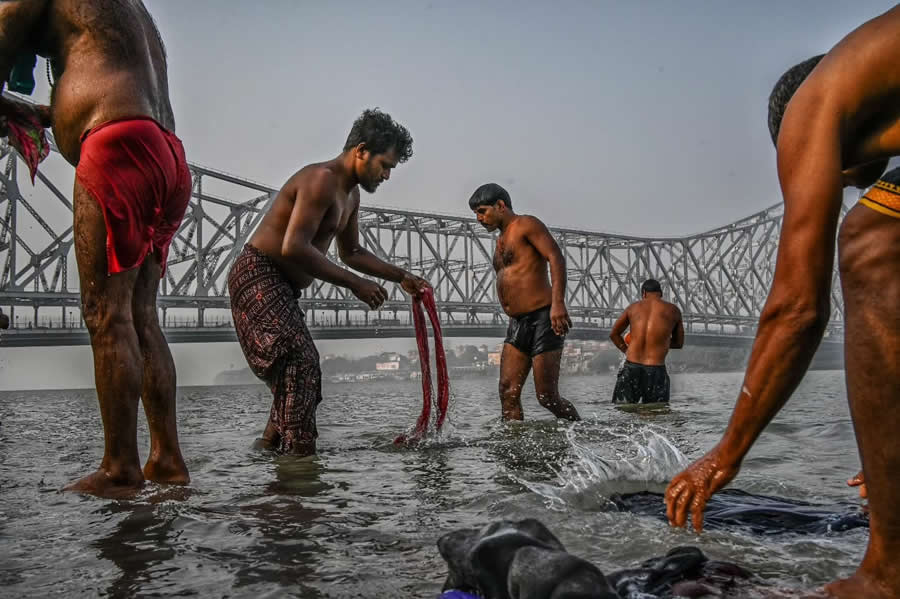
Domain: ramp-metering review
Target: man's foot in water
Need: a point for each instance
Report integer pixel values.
(168, 470)
(859, 586)
(118, 485)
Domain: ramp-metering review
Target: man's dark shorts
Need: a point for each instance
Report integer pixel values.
(532, 333)
(640, 383)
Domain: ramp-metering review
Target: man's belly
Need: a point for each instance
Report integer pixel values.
(82, 99)
(522, 294)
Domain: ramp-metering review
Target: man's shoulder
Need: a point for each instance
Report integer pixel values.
(315, 179)
(527, 223)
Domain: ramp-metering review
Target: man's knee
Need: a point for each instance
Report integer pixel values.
(101, 316)
(509, 387)
(146, 323)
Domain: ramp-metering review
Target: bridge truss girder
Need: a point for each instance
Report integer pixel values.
(719, 278)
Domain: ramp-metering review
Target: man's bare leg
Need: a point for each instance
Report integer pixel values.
(514, 367)
(106, 307)
(546, 384)
(165, 463)
(869, 260)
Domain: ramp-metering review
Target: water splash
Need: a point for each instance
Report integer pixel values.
(638, 460)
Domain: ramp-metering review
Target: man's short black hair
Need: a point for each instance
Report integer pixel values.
(784, 90)
(379, 132)
(651, 286)
(488, 195)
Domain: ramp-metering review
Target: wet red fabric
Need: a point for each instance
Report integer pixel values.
(137, 171)
(443, 379)
(29, 139)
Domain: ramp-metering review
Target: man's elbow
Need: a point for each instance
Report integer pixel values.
(804, 317)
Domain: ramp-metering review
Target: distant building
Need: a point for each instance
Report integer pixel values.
(494, 358)
(392, 365)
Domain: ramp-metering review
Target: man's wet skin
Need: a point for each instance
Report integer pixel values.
(318, 205)
(109, 63)
(655, 328)
(524, 249)
(843, 116)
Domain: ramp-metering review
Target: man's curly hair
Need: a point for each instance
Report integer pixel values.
(784, 90)
(379, 132)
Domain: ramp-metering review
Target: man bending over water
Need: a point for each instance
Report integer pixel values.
(112, 119)
(840, 125)
(287, 253)
(538, 319)
(655, 328)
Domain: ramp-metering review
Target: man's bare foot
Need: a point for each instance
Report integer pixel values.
(859, 586)
(264, 444)
(103, 484)
(167, 471)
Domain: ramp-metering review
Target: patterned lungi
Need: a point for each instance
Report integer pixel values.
(272, 332)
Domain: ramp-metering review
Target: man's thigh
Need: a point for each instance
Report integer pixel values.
(100, 291)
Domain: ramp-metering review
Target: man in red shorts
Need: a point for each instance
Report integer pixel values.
(112, 119)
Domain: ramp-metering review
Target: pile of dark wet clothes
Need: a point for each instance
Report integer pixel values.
(524, 560)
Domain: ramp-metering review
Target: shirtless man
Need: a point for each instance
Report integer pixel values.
(112, 119)
(655, 328)
(838, 129)
(538, 319)
(287, 253)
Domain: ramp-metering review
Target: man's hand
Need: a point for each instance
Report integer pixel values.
(414, 285)
(859, 481)
(691, 489)
(559, 319)
(370, 292)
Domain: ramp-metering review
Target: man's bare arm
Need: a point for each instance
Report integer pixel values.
(797, 309)
(18, 19)
(615, 335)
(354, 255)
(678, 333)
(311, 205)
(539, 236)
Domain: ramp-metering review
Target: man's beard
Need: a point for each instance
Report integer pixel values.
(369, 186)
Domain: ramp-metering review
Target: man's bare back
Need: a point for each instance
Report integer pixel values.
(653, 325)
(523, 284)
(112, 44)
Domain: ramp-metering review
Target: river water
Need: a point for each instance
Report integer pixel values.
(361, 518)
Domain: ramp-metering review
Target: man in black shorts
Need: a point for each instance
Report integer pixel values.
(538, 319)
(656, 328)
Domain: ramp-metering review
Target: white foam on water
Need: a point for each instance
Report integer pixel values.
(641, 459)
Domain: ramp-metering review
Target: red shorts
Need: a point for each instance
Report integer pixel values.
(137, 172)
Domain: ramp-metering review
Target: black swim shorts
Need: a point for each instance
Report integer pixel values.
(640, 383)
(532, 333)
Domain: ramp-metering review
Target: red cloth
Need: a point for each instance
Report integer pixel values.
(137, 171)
(29, 139)
(421, 427)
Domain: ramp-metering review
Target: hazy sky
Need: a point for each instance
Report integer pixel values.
(645, 118)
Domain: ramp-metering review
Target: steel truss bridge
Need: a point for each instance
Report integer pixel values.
(719, 278)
